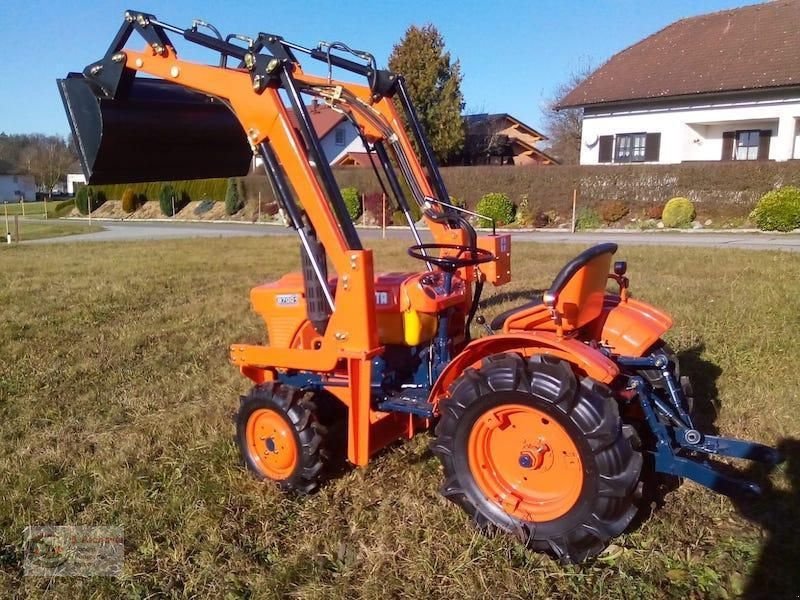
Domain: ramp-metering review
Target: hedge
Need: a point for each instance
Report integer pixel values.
(729, 189)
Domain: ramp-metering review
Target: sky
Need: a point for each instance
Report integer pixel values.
(513, 54)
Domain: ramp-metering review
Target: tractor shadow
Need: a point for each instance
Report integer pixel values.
(703, 374)
(777, 512)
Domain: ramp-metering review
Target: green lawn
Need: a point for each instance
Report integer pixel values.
(29, 230)
(34, 209)
(116, 398)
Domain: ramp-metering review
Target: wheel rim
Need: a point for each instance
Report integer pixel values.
(271, 444)
(526, 462)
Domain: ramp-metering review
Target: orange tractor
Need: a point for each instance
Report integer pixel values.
(548, 426)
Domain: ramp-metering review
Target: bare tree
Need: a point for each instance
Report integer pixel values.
(48, 159)
(563, 126)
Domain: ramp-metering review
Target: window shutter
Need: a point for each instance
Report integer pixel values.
(652, 147)
(606, 149)
(728, 138)
(763, 144)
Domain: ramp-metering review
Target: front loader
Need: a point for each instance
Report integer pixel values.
(547, 426)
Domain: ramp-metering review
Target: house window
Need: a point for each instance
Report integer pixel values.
(629, 147)
(339, 133)
(747, 145)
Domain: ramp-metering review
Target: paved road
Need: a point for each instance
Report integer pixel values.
(125, 231)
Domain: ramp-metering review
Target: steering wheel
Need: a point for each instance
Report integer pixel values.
(450, 263)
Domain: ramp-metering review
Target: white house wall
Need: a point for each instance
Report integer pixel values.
(12, 185)
(694, 133)
(352, 142)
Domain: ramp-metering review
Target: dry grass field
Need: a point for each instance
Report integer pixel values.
(116, 399)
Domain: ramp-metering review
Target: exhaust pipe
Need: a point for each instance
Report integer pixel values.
(155, 131)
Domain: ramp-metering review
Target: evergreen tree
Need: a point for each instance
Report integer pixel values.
(434, 84)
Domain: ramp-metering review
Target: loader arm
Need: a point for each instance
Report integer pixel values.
(257, 108)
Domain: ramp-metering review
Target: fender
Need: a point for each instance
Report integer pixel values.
(631, 327)
(528, 343)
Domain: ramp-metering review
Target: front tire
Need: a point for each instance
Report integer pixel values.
(279, 436)
(529, 448)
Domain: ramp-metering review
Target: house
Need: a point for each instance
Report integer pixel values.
(74, 182)
(337, 135)
(15, 186)
(500, 139)
(723, 86)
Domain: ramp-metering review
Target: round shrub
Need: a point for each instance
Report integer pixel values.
(233, 199)
(612, 211)
(496, 206)
(129, 200)
(778, 210)
(678, 212)
(352, 200)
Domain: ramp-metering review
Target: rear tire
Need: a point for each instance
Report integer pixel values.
(279, 437)
(573, 423)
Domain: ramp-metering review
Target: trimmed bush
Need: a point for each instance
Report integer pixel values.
(655, 211)
(374, 209)
(587, 218)
(459, 202)
(496, 206)
(678, 212)
(778, 210)
(203, 207)
(165, 200)
(82, 200)
(352, 200)
(233, 199)
(612, 211)
(129, 200)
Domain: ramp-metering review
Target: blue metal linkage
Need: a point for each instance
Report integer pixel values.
(671, 439)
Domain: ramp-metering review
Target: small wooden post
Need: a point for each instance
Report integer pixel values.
(8, 230)
(45, 208)
(574, 204)
(16, 228)
(22, 202)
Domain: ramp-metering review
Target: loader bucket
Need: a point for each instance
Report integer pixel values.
(157, 132)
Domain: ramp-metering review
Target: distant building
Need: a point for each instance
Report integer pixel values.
(337, 134)
(15, 186)
(74, 181)
(718, 87)
(500, 139)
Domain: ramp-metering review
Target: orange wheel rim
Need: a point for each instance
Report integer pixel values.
(271, 444)
(526, 462)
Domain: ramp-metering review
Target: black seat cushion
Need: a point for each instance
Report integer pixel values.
(499, 320)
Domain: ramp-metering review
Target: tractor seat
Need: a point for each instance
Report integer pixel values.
(577, 292)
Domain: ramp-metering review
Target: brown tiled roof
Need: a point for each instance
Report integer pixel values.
(323, 118)
(753, 47)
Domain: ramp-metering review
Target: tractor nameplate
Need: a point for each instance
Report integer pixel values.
(287, 299)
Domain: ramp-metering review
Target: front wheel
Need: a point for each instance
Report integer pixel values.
(531, 449)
